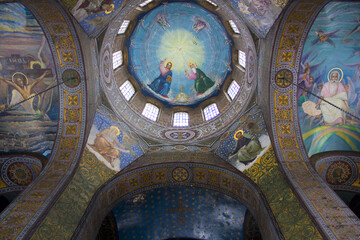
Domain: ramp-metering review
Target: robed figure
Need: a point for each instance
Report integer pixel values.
(202, 82)
(247, 147)
(161, 84)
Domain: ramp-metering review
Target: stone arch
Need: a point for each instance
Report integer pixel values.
(321, 201)
(34, 202)
(135, 181)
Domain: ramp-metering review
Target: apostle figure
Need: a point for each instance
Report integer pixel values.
(202, 82)
(247, 147)
(334, 92)
(161, 84)
(107, 144)
(85, 8)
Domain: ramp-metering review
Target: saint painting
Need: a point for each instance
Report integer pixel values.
(161, 84)
(201, 82)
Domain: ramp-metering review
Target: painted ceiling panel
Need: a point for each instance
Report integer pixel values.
(26, 70)
(331, 49)
(259, 14)
(180, 53)
(180, 212)
(93, 16)
(246, 141)
(113, 144)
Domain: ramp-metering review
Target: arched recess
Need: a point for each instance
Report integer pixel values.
(333, 217)
(19, 170)
(339, 170)
(217, 178)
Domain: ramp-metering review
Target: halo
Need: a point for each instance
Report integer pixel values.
(191, 62)
(12, 77)
(333, 70)
(117, 130)
(170, 63)
(242, 132)
(111, 9)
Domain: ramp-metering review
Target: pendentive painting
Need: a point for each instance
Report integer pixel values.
(180, 53)
(93, 15)
(261, 14)
(248, 141)
(112, 144)
(329, 81)
(28, 92)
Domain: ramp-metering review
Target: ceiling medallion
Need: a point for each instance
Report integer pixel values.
(180, 135)
(180, 174)
(338, 173)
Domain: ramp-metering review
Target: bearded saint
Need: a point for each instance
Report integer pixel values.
(334, 92)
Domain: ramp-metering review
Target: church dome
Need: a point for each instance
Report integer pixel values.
(179, 71)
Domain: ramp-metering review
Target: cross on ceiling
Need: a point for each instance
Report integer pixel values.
(180, 210)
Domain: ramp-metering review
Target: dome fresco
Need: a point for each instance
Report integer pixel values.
(180, 53)
(331, 46)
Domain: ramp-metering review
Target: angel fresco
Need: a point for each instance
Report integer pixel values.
(323, 37)
(307, 81)
(353, 88)
(200, 24)
(161, 20)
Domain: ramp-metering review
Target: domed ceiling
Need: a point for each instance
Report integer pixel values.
(178, 57)
(191, 40)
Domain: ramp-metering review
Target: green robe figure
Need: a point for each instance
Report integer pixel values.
(202, 82)
(247, 147)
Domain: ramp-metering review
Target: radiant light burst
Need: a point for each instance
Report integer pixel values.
(181, 46)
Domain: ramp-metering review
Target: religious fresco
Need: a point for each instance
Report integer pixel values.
(330, 69)
(111, 144)
(93, 15)
(26, 71)
(191, 213)
(261, 14)
(243, 145)
(180, 53)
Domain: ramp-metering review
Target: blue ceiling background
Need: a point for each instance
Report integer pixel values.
(332, 44)
(180, 32)
(175, 212)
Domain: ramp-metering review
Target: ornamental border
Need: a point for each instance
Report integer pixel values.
(44, 11)
(120, 187)
(297, 166)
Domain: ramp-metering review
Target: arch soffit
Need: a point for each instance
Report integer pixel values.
(127, 184)
(71, 128)
(287, 139)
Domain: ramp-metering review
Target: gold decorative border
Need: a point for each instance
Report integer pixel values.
(332, 218)
(18, 219)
